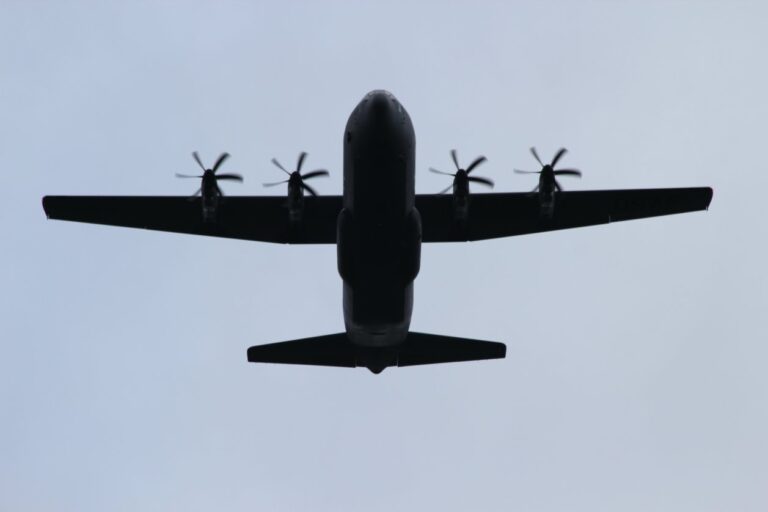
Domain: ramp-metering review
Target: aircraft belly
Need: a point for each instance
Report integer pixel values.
(379, 231)
(377, 314)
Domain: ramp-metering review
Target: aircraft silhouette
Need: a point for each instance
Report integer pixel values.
(378, 226)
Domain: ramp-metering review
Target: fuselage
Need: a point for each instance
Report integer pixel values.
(379, 229)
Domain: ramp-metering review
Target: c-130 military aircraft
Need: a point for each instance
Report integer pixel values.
(378, 226)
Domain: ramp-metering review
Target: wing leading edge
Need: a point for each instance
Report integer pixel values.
(259, 218)
(509, 214)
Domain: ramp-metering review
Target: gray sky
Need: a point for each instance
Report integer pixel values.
(635, 374)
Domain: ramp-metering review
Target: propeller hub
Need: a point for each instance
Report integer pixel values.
(209, 187)
(296, 180)
(462, 178)
(547, 175)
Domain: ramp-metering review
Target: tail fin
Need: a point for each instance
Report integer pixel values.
(337, 350)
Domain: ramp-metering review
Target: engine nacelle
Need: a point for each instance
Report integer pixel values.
(295, 202)
(210, 194)
(461, 208)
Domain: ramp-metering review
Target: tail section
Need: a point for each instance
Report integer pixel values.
(337, 350)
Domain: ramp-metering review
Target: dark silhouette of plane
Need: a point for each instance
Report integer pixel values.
(378, 226)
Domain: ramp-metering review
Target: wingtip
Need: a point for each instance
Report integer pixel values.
(45, 206)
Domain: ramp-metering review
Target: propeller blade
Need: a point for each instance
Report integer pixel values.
(432, 169)
(300, 162)
(568, 172)
(557, 157)
(446, 189)
(455, 159)
(199, 191)
(518, 171)
(197, 159)
(219, 191)
(474, 164)
(558, 187)
(308, 188)
(274, 161)
(275, 183)
(478, 179)
(315, 174)
(222, 158)
(230, 177)
(186, 176)
(536, 156)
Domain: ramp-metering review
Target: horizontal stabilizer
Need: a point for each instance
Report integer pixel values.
(420, 348)
(329, 350)
(337, 350)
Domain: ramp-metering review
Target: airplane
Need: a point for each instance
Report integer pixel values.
(378, 225)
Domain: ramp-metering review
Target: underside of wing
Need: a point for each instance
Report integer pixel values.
(259, 218)
(509, 214)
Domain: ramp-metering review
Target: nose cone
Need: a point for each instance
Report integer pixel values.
(379, 120)
(380, 105)
(379, 109)
(381, 102)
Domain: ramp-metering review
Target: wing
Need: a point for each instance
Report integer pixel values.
(260, 218)
(500, 215)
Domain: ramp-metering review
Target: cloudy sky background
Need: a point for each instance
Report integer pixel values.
(635, 373)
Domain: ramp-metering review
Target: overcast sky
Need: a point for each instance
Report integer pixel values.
(635, 376)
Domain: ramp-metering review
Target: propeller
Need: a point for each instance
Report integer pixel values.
(295, 178)
(548, 170)
(462, 176)
(209, 176)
